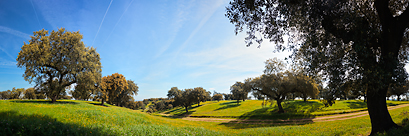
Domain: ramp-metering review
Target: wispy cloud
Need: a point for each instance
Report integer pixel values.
(209, 13)
(8, 54)
(176, 25)
(14, 32)
(4, 62)
(126, 9)
(96, 35)
(35, 13)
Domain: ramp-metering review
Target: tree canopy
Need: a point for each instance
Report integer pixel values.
(111, 88)
(345, 40)
(57, 60)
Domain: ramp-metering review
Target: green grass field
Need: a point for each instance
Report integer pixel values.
(68, 117)
(253, 109)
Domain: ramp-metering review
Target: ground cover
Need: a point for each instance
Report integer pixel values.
(253, 109)
(66, 117)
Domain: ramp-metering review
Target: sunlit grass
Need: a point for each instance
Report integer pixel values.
(253, 109)
(68, 117)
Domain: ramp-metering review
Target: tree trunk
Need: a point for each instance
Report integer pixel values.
(378, 112)
(186, 109)
(198, 104)
(398, 97)
(305, 99)
(280, 108)
(54, 99)
(102, 103)
(238, 101)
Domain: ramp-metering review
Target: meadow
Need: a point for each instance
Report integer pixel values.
(71, 117)
(253, 109)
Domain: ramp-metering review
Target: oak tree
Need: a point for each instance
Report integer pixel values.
(111, 88)
(367, 38)
(56, 60)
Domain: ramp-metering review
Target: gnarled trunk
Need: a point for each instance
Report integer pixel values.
(378, 112)
(280, 108)
(54, 98)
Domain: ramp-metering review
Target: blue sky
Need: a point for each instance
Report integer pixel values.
(158, 44)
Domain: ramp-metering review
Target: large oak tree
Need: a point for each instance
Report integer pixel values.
(345, 39)
(57, 60)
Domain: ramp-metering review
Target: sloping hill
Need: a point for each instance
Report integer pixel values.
(67, 117)
(253, 109)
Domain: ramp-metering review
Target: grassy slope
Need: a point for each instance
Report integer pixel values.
(253, 109)
(80, 118)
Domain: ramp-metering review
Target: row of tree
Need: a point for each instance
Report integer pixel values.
(187, 97)
(21, 93)
(277, 84)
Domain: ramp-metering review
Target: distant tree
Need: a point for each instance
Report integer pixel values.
(199, 95)
(218, 97)
(273, 83)
(238, 91)
(173, 92)
(5, 94)
(126, 96)
(111, 87)
(39, 94)
(57, 60)
(16, 93)
(399, 90)
(185, 99)
(30, 93)
(304, 85)
(228, 96)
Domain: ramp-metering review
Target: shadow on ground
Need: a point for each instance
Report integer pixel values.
(230, 105)
(12, 123)
(43, 102)
(244, 125)
(98, 104)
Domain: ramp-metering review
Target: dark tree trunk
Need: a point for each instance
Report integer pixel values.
(54, 98)
(280, 108)
(102, 103)
(378, 112)
(305, 98)
(186, 109)
(198, 103)
(398, 97)
(238, 101)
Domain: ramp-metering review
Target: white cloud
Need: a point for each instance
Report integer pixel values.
(14, 32)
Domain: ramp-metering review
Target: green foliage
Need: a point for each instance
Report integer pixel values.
(217, 97)
(348, 40)
(112, 86)
(239, 91)
(57, 60)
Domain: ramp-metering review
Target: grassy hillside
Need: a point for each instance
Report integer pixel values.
(67, 117)
(253, 109)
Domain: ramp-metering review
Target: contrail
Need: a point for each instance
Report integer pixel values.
(117, 22)
(35, 12)
(102, 22)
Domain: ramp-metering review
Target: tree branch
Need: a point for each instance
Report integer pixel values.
(403, 19)
(384, 13)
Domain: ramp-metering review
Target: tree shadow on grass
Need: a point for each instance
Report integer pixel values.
(98, 104)
(43, 102)
(253, 124)
(227, 106)
(272, 114)
(12, 123)
(227, 103)
(356, 104)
